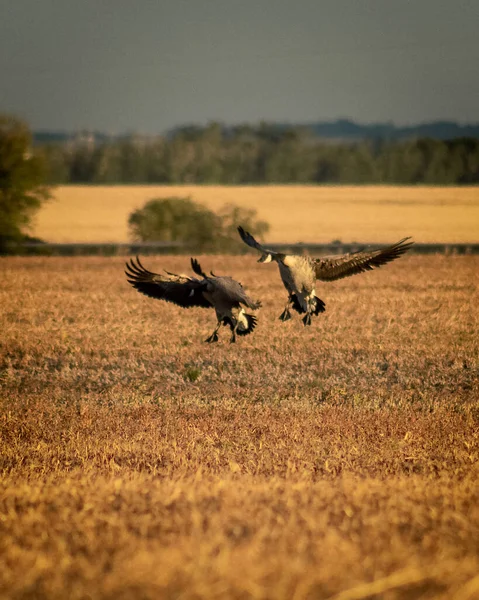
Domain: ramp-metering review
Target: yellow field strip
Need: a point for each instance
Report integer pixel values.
(378, 214)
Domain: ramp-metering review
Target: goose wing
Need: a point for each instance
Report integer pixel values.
(250, 241)
(337, 267)
(178, 289)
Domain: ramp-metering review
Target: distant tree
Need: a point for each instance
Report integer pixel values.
(356, 164)
(56, 160)
(465, 153)
(22, 180)
(132, 163)
(199, 229)
(83, 161)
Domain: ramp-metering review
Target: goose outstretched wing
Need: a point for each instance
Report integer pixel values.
(337, 267)
(178, 289)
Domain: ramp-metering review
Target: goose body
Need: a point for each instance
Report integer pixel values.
(299, 279)
(222, 293)
(300, 273)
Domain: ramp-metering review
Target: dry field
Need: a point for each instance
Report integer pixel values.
(338, 461)
(366, 214)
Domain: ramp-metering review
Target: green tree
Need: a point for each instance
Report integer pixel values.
(193, 225)
(56, 160)
(22, 180)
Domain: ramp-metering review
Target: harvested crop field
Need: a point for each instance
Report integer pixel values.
(321, 214)
(336, 461)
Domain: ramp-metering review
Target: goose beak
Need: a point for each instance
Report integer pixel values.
(265, 258)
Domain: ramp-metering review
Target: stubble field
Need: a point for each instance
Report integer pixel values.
(336, 461)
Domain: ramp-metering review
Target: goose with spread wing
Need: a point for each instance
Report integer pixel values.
(224, 294)
(299, 273)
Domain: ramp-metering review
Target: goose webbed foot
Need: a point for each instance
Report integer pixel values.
(233, 338)
(213, 338)
(285, 315)
(307, 319)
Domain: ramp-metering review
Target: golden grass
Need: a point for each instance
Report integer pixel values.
(337, 461)
(379, 214)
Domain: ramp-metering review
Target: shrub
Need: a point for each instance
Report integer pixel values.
(198, 228)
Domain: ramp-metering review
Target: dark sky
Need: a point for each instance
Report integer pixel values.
(121, 65)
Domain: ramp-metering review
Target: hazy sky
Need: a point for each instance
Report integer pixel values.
(147, 65)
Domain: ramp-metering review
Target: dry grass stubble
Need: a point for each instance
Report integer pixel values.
(336, 461)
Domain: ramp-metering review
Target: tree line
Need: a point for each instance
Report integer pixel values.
(258, 155)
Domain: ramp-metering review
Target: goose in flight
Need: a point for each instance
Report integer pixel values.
(299, 273)
(224, 294)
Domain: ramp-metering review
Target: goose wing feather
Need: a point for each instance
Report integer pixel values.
(337, 267)
(178, 289)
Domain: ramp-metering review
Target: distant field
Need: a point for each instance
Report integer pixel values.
(296, 213)
(339, 461)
